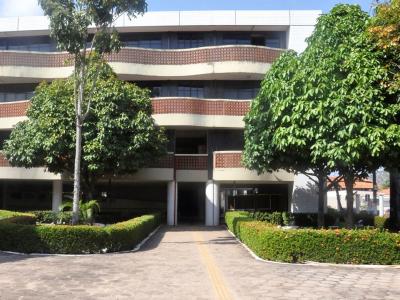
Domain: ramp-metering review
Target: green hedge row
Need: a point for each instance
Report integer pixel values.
(51, 217)
(65, 239)
(369, 246)
(17, 217)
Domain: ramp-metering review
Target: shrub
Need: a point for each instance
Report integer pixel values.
(80, 239)
(288, 218)
(332, 246)
(364, 218)
(51, 217)
(381, 223)
(16, 217)
(45, 216)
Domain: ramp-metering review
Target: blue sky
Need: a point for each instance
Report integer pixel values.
(10, 8)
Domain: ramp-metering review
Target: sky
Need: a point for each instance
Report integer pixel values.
(12, 8)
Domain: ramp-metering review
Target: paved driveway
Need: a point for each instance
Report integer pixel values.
(187, 263)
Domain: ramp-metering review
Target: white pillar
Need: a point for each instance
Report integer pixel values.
(171, 203)
(212, 203)
(381, 207)
(57, 195)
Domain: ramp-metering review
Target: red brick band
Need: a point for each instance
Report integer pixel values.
(191, 162)
(150, 57)
(200, 107)
(228, 160)
(13, 109)
(160, 106)
(3, 161)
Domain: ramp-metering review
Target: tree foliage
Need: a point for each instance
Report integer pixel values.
(119, 135)
(384, 29)
(324, 110)
(70, 22)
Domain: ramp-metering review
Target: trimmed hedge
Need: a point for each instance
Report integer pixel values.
(369, 246)
(16, 217)
(65, 239)
(51, 217)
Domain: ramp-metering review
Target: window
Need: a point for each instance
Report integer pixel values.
(147, 43)
(10, 96)
(258, 40)
(188, 91)
(273, 43)
(156, 91)
(240, 93)
(190, 40)
(233, 38)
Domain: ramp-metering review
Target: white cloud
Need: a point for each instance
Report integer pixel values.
(14, 8)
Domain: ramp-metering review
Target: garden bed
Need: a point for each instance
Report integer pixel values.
(364, 246)
(81, 239)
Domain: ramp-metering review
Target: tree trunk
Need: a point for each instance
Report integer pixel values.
(349, 181)
(375, 187)
(339, 203)
(321, 200)
(395, 198)
(78, 150)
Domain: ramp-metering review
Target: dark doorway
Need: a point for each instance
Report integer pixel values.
(191, 203)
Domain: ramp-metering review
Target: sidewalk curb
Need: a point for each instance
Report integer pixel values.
(137, 248)
(311, 263)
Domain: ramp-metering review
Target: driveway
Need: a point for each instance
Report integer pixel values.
(187, 263)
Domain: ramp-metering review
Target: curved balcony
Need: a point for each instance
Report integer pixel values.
(167, 111)
(12, 112)
(195, 112)
(228, 167)
(217, 62)
(8, 172)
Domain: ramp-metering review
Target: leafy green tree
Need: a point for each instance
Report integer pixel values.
(328, 111)
(384, 31)
(277, 134)
(119, 135)
(69, 26)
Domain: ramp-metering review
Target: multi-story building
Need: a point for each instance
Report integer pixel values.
(203, 68)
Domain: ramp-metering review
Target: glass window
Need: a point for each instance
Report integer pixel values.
(151, 44)
(240, 93)
(273, 43)
(156, 91)
(191, 40)
(10, 96)
(188, 91)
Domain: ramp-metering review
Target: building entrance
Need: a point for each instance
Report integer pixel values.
(191, 203)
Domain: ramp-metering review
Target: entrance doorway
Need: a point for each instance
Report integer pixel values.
(191, 203)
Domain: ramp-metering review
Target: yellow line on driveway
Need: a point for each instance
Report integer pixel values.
(215, 275)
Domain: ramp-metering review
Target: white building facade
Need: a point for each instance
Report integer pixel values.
(203, 68)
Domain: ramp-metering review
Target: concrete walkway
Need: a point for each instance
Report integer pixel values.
(187, 263)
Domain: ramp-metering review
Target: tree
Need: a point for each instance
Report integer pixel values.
(384, 31)
(69, 26)
(119, 135)
(277, 134)
(328, 112)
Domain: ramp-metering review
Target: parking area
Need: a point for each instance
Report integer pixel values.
(187, 262)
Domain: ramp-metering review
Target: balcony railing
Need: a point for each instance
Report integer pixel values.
(13, 109)
(182, 105)
(191, 161)
(161, 105)
(3, 161)
(228, 159)
(247, 53)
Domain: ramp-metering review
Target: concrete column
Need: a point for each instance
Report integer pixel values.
(381, 206)
(171, 203)
(57, 195)
(212, 203)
